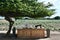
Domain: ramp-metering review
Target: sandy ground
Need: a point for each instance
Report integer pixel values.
(55, 35)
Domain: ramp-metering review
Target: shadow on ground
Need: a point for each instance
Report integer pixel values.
(12, 37)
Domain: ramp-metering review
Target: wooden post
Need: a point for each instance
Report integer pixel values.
(14, 31)
(48, 32)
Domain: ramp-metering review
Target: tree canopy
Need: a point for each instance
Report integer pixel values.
(22, 8)
(57, 17)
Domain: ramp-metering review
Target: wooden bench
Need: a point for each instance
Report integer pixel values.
(31, 33)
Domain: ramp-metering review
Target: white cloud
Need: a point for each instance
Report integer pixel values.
(46, 1)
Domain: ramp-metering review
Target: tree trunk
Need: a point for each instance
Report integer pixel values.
(11, 22)
(10, 26)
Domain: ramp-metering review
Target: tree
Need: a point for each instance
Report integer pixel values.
(57, 17)
(23, 8)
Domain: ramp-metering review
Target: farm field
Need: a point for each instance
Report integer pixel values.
(51, 24)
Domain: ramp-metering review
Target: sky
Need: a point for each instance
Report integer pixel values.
(56, 5)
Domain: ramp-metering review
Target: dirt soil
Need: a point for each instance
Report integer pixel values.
(55, 35)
